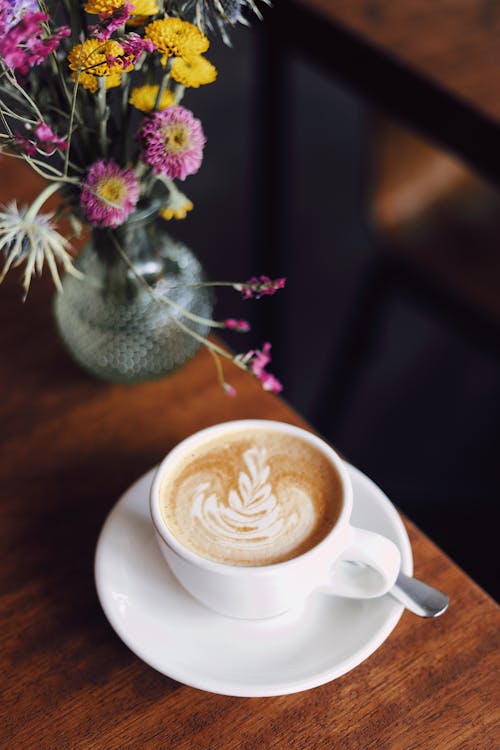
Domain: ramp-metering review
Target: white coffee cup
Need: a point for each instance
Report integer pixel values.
(261, 591)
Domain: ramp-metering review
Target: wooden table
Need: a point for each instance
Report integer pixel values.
(70, 447)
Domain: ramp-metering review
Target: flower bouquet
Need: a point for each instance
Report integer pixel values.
(90, 99)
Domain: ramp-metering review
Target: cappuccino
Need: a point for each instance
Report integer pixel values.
(251, 497)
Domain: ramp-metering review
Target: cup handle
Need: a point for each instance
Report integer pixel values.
(367, 568)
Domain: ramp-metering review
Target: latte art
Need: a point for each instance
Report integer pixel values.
(251, 497)
(252, 517)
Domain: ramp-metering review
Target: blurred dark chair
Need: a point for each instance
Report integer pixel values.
(429, 209)
(435, 227)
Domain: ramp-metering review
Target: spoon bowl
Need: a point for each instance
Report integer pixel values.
(420, 598)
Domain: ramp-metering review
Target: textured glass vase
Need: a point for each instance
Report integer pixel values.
(119, 328)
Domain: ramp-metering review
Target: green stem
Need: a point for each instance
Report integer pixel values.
(205, 342)
(179, 93)
(102, 115)
(162, 88)
(126, 81)
(13, 82)
(71, 119)
(40, 200)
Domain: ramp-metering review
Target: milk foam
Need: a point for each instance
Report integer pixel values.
(251, 516)
(251, 498)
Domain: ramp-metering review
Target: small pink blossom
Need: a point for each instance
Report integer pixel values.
(45, 141)
(23, 46)
(109, 194)
(172, 142)
(110, 22)
(242, 326)
(257, 360)
(229, 389)
(24, 146)
(48, 140)
(133, 46)
(258, 286)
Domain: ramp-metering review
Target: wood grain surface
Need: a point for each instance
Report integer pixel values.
(70, 446)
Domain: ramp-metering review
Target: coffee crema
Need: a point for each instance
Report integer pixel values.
(251, 497)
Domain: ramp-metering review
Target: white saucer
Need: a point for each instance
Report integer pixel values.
(173, 633)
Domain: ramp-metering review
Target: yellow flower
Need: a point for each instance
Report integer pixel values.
(144, 97)
(91, 59)
(193, 72)
(103, 6)
(177, 207)
(176, 38)
(142, 10)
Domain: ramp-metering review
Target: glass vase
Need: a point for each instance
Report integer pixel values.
(122, 321)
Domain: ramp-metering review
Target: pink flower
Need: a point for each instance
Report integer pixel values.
(172, 142)
(109, 194)
(110, 22)
(258, 286)
(48, 140)
(24, 146)
(257, 360)
(229, 389)
(23, 46)
(242, 326)
(45, 141)
(133, 46)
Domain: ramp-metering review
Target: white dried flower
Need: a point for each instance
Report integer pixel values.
(222, 13)
(30, 237)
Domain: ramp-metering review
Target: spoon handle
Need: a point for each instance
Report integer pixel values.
(419, 597)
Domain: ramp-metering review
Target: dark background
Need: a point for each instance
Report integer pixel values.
(402, 390)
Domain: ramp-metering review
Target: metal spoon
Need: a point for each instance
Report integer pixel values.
(419, 597)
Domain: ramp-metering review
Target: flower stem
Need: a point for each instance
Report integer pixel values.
(40, 200)
(72, 117)
(102, 115)
(201, 339)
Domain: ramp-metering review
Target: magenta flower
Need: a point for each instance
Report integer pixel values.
(242, 326)
(24, 46)
(258, 286)
(24, 146)
(109, 194)
(229, 389)
(257, 361)
(133, 46)
(45, 141)
(48, 141)
(172, 142)
(110, 22)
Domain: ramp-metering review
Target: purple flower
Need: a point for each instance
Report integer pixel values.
(172, 142)
(258, 286)
(23, 145)
(23, 46)
(109, 194)
(11, 12)
(257, 360)
(48, 141)
(242, 326)
(44, 141)
(229, 389)
(133, 46)
(110, 22)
